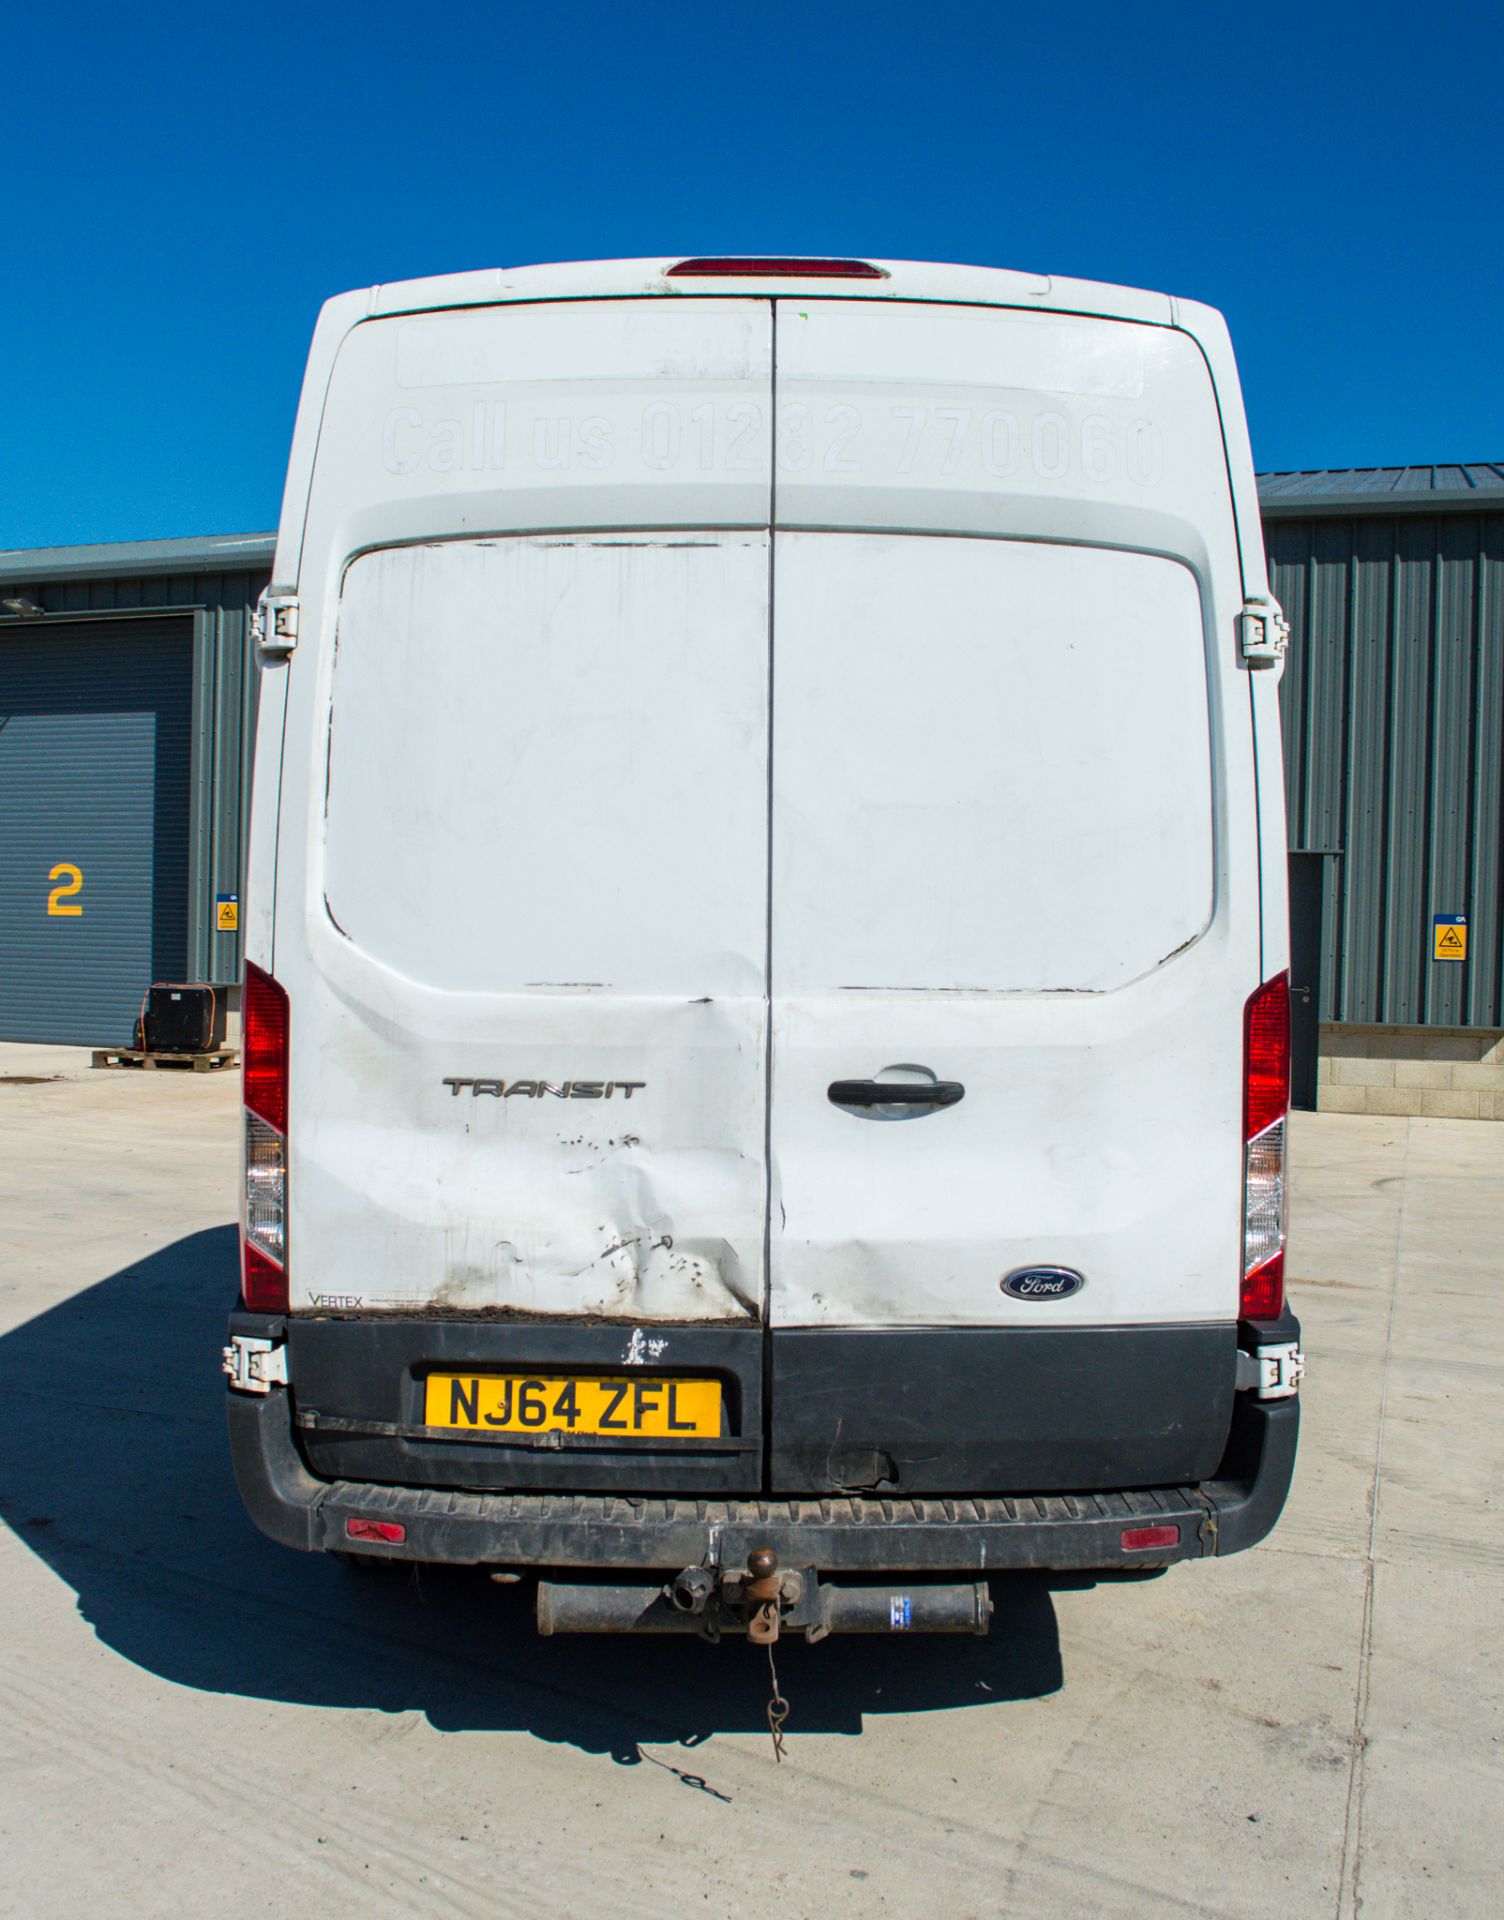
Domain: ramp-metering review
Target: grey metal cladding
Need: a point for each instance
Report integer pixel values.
(1466, 488)
(71, 584)
(1393, 703)
(94, 799)
(118, 559)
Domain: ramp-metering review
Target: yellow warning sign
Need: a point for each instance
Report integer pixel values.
(1449, 936)
(227, 913)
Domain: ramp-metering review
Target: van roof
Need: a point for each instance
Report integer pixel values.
(900, 280)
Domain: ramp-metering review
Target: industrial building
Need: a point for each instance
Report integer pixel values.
(1393, 699)
(127, 712)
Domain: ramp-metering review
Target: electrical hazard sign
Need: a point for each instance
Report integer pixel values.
(1449, 936)
(226, 912)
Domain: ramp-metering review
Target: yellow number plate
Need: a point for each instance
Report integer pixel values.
(646, 1406)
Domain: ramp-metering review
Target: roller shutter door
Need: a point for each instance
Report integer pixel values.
(94, 782)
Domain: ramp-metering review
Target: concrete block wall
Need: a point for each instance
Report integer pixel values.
(1445, 1073)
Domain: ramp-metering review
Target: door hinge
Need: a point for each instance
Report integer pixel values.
(1272, 1373)
(1263, 633)
(274, 625)
(254, 1365)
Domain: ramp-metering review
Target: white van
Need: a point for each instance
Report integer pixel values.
(765, 1021)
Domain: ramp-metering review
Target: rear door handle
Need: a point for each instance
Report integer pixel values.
(904, 1099)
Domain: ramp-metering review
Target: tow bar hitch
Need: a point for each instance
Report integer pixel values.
(763, 1601)
(762, 1595)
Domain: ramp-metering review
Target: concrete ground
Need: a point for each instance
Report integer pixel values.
(198, 1722)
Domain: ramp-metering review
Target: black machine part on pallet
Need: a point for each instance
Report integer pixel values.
(182, 1017)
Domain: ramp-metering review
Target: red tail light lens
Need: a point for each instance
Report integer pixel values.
(264, 1027)
(263, 1283)
(1266, 1102)
(730, 268)
(1266, 1056)
(263, 1019)
(1263, 1294)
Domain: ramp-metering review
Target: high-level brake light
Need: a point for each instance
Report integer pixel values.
(264, 1023)
(1266, 1103)
(729, 267)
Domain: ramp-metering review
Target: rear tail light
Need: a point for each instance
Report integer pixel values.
(1266, 1102)
(264, 1023)
(264, 1047)
(729, 267)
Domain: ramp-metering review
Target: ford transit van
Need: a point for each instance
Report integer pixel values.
(765, 1015)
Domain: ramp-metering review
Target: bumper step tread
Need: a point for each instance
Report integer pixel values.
(547, 1509)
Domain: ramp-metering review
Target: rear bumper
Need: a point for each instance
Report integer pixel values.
(846, 1534)
(812, 1413)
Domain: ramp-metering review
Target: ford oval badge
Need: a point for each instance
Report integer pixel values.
(1042, 1283)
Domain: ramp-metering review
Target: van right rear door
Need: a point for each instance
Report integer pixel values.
(1014, 880)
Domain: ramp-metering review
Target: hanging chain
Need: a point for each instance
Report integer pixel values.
(778, 1709)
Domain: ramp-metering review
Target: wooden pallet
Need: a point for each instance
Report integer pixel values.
(138, 1057)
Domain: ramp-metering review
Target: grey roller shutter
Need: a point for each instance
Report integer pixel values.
(94, 783)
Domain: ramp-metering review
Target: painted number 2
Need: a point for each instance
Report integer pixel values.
(70, 882)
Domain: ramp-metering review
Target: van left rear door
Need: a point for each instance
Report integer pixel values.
(528, 978)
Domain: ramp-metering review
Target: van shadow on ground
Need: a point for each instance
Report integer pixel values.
(114, 1469)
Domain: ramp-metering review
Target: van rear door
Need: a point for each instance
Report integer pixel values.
(1003, 835)
(530, 1125)
(522, 883)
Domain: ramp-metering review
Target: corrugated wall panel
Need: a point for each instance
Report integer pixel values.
(1406, 889)
(237, 683)
(1289, 556)
(1456, 566)
(1393, 701)
(1485, 971)
(1331, 565)
(1363, 839)
(1324, 808)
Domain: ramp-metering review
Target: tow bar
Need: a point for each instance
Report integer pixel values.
(763, 1602)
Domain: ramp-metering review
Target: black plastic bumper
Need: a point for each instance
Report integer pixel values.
(850, 1533)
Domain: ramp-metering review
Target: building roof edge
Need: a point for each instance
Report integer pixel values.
(201, 553)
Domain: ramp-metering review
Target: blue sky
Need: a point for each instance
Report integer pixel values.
(181, 188)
